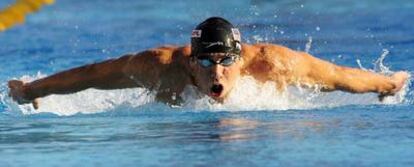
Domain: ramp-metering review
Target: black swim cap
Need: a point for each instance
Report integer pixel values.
(215, 35)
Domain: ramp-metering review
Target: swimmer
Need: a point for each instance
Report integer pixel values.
(213, 63)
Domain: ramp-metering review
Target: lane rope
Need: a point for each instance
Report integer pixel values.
(16, 13)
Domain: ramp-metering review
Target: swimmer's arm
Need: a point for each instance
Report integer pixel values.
(110, 74)
(334, 77)
(104, 75)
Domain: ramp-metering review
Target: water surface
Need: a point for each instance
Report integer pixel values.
(126, 128)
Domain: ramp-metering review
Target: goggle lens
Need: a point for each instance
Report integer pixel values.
(206, 61)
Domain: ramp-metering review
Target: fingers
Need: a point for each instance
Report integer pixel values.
(381, 97)
(400, 76)
(35, 104)
(399, 79)
(15, 87)
(16, 91)
(17, 94)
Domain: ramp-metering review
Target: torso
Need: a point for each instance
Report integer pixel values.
(264, 62)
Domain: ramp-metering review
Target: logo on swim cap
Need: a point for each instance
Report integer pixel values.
(215, 35)
(196, 34)
(236, 34)
(210, 44)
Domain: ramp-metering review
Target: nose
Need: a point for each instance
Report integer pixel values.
(217, 72)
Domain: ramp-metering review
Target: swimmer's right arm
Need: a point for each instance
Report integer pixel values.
(125, 72)
(353, 80)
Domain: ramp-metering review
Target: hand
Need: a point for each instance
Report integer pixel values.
(17, 93)
(399, 79)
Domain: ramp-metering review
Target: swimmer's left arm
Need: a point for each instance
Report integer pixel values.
(104, 75)
(334, 77)
(132, 70)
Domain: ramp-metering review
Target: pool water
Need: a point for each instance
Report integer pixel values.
(128, 128)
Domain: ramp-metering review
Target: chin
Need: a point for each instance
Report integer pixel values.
(218, 98)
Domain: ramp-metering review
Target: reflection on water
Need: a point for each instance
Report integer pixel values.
(250, 129)
(196, 127)
(220, 129)
(211, 138)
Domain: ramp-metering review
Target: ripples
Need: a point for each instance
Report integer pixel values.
(210, 138)
(213, 128)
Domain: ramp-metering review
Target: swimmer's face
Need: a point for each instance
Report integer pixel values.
(216, 73)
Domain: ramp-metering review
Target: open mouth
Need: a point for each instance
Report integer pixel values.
(216, 90)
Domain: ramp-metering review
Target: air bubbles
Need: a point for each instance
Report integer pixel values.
(258, 38)
(180, 27)
(275, 29)
(254, 10)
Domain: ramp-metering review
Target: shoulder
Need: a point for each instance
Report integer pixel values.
(153, 60)
(161, 55)
(269, 59)
(266, 49)
(270, 53)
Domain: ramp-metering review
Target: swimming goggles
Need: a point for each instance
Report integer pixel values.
(206, 61)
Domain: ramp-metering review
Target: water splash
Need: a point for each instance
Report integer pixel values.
(251, 95)
(308, 45)
(360, 65)
(247, 95)
(379, 63)
(379, 67)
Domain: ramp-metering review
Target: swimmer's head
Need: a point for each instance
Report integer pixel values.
(216, 57)
(215, 35)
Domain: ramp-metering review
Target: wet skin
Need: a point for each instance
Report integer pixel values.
(169, 69)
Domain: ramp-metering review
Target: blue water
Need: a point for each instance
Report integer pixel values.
(73, 33)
